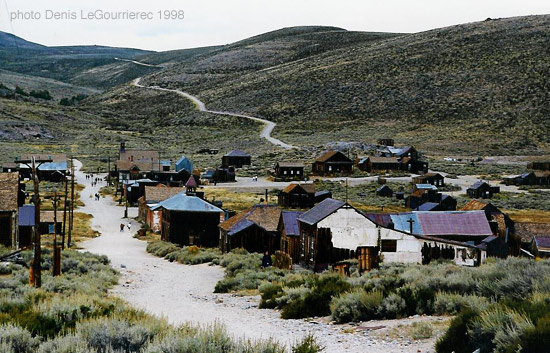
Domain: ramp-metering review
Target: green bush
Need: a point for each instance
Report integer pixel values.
(456, 338)
(270, 292)
(422, 330)
(308, 345)
(17, 339)
(537, 339)
(393, 306)
(355, 306)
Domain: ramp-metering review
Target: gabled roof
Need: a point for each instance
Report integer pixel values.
(9, 188)
(327, 156)
(290, 222)
(191, 182)
(184, 163)
(321, 211)
(159, 194)
(142, 166)
(237, 153)
(48, 216)
(383, 187)
(182, 202)
(384, 160)
(55, 157)
(286, 164)
(475, 205)
(26, 216)
(478, 184)
(473, 223)
(308, 188)
(425, 187)
(264, 216)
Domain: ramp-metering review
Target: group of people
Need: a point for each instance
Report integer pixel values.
(97, 196)
(122, 226)
(255, 178)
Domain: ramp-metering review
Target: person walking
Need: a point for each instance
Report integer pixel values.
(129, 226)
(122, 227)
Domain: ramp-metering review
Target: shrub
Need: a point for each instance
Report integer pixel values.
(456, 338)
(451, 303)
(17, 339)
(270, 292)
(537, 339)
(393, 306)
(422, 330)
(355, 306)
(308, 345)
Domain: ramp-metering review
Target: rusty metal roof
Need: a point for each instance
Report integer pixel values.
(472, 223)
(308, 188)
(9, 187)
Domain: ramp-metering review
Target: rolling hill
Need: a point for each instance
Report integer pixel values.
(478, 88)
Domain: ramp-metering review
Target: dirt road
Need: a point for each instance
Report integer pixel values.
(186, 293)
(269, 126)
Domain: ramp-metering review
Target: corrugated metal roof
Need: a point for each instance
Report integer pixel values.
(542, 241)
(237, 153)
(53, 166)
(321, 211)
(400, 222)
(472, 223)
(26, 216)
(383, 219)
(191, 183)
(427, 206)
(477, 184)
(184, 203)
(240, 226)
(290, 222)
(184, 164)
(426, 187)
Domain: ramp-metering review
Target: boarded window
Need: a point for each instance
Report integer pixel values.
(389, 245)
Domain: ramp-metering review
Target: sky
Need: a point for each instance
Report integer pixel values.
(179, 24)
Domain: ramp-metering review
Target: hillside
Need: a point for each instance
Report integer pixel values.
(479, 88)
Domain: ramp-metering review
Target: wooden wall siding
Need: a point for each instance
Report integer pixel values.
(190, 228)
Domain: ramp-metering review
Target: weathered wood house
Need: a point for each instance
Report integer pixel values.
(297, 196)
(254, 229)
(54, 171)
(540, 246)
(332, 163)
(47, 223)
(137, 164)
(374, 164)
(541, 165)
(290, 234)
(149, 213)
(384, 191)
(190, 220)
(9, 208)
(237, 159)
(334, 231)
(482, 190)
(26, 225)
(290, 170)
(435, 179)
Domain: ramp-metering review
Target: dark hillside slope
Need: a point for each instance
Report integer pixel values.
(475, 88)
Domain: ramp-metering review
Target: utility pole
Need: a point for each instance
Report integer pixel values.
(71, 214)
(109, 170)
(56, 251)
(64, 213)
(35, 278)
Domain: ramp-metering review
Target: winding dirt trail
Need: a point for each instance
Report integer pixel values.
(269, 126)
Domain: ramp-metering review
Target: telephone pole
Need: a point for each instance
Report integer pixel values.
(71, 213)
(56, 250)
(64, 213)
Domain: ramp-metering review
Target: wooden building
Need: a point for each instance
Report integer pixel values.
(149, 213)
(540, 246)
(47, 223)
(237, 159)
(9, 208)
(482, 190)
(334, 231)
(54, 171)
(290, 170)
(384, 191)
(332, 163)
(26, 225)
(254, 229)
(137, 164)
(435, 179)
(290, 234)
(190, 220)
(542, 165)
(297, 196)
(376, 164)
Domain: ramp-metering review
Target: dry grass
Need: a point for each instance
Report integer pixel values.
(529, 216)
(232, 200)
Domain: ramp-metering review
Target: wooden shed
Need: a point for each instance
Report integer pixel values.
(9, 190)
(237, 159)
(332, 163)
(290, 234)
(290, 170)
(297, 196)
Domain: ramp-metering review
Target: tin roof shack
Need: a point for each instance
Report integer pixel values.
(9, 190)
(290, 171)
(334, 231)
(297, 196)
(47, 222)
(435, 179)
(153, 195)
(26, 225)
(377, 164)
(133, 191)
(290, 234)
(500, 223)
(542, 178)
(384, 191)
(184, 164)
(482, 190)
(322, 195)
(526, 231)
(332, 163)
(53, 171)
(542, 165)
(190, 220)
(237, 159)
(540, 246)
(169, 178)
(254, 229)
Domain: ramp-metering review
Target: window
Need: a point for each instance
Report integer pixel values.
(389, 245)
(291, 172)
(284, 172)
